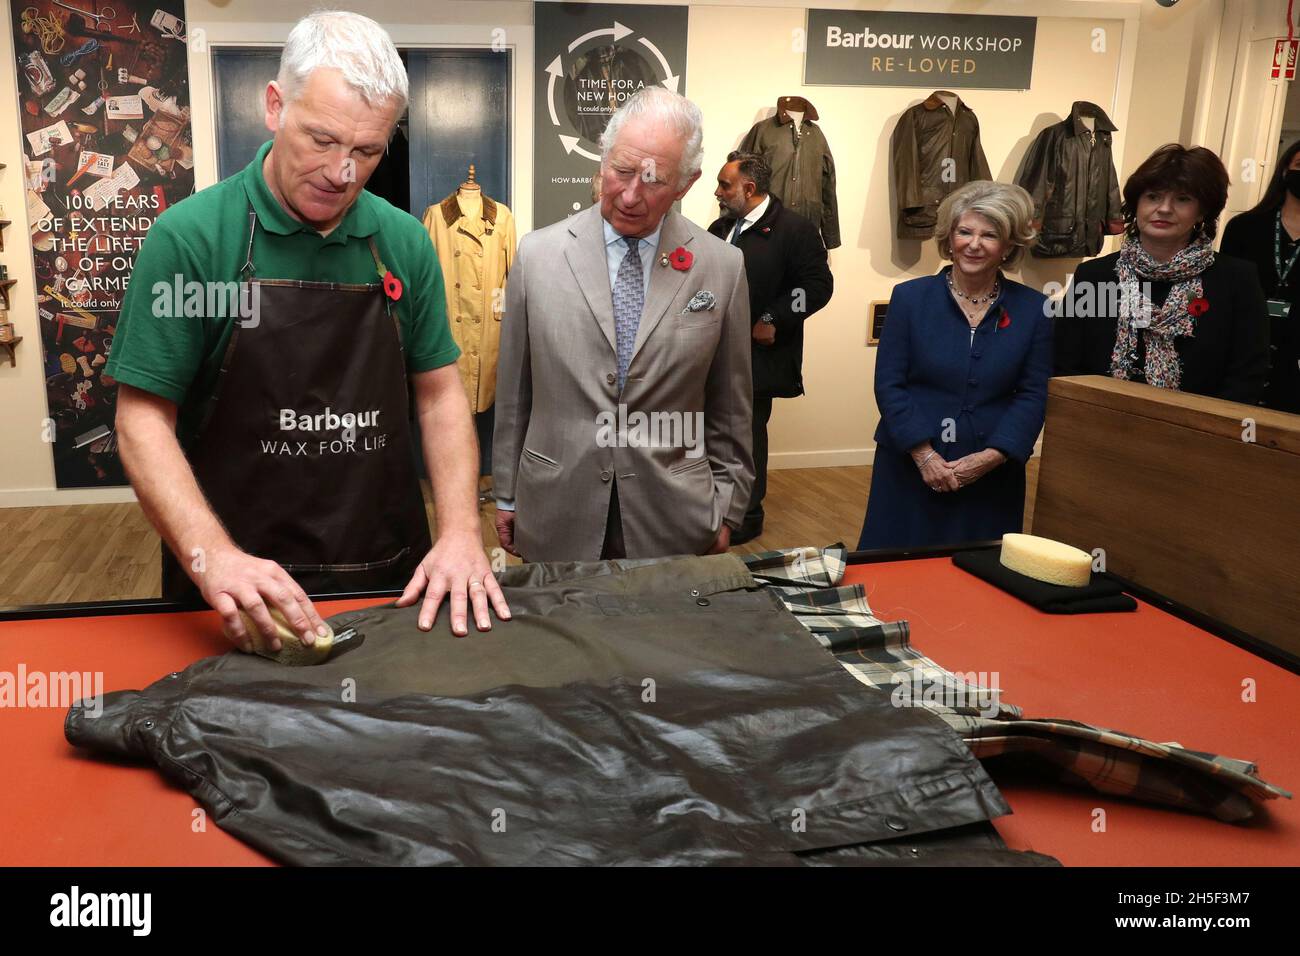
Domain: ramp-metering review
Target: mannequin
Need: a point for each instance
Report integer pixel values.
(796, 108)
(1090, 124)
(469, 196)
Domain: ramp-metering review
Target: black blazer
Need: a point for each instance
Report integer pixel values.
(783, 255)
(1250, 237)
(1226, 357)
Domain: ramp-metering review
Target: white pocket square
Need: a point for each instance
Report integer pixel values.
(702, 301)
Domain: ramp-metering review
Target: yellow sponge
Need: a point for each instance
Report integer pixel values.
(292, 650)
(1046, 560)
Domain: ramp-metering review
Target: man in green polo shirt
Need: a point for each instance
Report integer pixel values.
(264, 349)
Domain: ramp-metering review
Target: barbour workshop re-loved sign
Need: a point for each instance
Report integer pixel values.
(866, 48)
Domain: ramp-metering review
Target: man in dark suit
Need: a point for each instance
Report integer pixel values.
(789, 279)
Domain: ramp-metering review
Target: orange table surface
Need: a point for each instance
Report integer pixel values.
(1147, 673)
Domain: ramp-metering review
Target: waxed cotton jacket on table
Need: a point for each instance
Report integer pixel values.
(1064, 749)
(666, 711)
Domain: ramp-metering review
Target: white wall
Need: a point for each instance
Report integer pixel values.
(1251, 102)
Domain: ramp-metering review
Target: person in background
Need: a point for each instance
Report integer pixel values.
(789, 279)
(1165, 310)
(1269, 236)
(961, 382)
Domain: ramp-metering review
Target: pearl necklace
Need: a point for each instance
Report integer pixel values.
(974, 300)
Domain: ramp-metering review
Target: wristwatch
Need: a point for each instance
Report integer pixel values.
(766, 318)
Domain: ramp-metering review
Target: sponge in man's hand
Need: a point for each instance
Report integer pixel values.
(292, 650)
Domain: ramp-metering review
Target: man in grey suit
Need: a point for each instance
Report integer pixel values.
(624, 398)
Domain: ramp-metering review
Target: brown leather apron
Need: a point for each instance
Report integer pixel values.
(304, 449)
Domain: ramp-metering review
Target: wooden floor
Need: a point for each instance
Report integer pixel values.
(56, 554)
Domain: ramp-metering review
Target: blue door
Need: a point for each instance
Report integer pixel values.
(459, 114)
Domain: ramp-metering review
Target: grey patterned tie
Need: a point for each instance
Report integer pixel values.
(629, 300)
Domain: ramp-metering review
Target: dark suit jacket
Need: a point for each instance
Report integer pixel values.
(1250, 236)
(1226, 357)
(783, 254)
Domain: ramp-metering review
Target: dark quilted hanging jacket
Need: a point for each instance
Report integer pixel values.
(1070, 173)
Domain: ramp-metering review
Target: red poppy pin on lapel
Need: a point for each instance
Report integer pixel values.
(1198, 307)
(1005, 320)
(680, 259)
(392, 286)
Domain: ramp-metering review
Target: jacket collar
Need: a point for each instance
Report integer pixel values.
(1081, 109)
(933, 102)
(451, 210)
(763, 222)
(797, 103)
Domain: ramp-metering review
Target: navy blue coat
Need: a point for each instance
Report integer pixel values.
(933, 383)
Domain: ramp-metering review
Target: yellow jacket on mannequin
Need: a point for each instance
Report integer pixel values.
(475, 240)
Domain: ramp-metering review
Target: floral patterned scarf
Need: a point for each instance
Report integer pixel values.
(1177, 317)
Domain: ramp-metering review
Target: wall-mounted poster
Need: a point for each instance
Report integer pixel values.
(868, 48)
(590, 58)
(104, 98)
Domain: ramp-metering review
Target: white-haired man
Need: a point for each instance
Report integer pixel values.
(624, 403)
(263, 411)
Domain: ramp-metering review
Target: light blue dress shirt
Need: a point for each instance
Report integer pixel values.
(616, 249)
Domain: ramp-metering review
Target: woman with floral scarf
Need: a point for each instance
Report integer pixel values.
(1166, 309)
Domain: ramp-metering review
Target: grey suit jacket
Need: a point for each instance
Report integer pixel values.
(679, 447)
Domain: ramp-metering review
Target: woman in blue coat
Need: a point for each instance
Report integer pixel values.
(961, 382)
